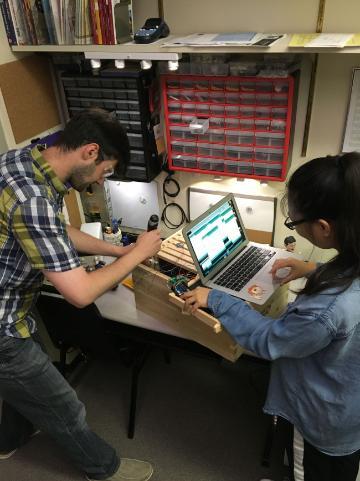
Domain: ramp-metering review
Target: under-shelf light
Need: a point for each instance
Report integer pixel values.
(95, 63)
(119, 63)
(173, 65)
(145, 64)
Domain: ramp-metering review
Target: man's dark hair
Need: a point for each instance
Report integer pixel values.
(289, 240)
(328, 188)
(98, 126)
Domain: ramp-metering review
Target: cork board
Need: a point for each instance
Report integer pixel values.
(73, 209)
(28, 92)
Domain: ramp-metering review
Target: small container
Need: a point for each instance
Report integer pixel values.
(217, 109)
(232, 123)
(262, 124)
(174, 106)
(263, 99)
(217, 85)
(281, 87)
(247, 99)
(267, 169)
(217, 150)
(204, 149)
(264, 86)
(202, 108)
(201, 96)
(270, 155)
(188, 96)
(217, 97)
(232, 98)
(279, 113)
(246, 124)
(246, 111)
(190, 148)
(232, 86)
(217, 122)
(217, 135)
(280, 100)
(188, 107)
(278, 125)
(262, 112)
(177, 147)
(232, 110)
(199, 126)
(247, 86)
(174, 118)
(232, 136)
(173, 95)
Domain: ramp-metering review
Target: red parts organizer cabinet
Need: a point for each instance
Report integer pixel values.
(249, 125)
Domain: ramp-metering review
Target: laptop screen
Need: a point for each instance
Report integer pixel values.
(216, 236)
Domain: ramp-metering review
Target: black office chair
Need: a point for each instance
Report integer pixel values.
(70, 327)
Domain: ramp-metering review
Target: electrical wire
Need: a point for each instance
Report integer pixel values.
(169, 180)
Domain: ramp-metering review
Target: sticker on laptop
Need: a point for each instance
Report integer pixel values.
(256, 291)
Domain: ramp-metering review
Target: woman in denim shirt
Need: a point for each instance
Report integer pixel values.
(315, 344)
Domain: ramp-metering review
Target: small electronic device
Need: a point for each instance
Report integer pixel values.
(178, 285)
(153, 29)
(153, 222)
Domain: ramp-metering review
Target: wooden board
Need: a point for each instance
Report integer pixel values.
(28, 92)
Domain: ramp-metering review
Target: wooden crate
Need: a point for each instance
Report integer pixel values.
(153, 297)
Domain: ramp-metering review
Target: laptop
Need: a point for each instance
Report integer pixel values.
(225, 258)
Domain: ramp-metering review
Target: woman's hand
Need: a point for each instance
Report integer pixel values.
(293, 269)
(195, 299)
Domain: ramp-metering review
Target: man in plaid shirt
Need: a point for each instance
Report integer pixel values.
(35, 243)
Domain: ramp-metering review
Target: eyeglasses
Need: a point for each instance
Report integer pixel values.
(291, 224)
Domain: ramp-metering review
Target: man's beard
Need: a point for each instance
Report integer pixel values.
(79, 176)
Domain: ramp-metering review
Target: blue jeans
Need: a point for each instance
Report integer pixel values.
(36, 395)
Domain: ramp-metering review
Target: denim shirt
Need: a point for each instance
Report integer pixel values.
(315, 349)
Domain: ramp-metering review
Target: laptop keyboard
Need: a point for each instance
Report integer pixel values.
(241, 271)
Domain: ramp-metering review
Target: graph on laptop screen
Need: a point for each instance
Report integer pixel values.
(216, 237)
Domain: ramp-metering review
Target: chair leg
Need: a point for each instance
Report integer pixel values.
(138, 364)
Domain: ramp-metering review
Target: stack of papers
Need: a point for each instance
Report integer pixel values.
(242, 39)
(325, 40)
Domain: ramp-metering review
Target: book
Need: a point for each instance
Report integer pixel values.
(49, 21)
(28, 19)
(122, 20)
(69, 21)
(8, 24)
(21, 32)
(39, 22)
(55, 9)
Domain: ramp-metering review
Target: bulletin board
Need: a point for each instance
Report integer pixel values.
(257, 212)
(28, 93)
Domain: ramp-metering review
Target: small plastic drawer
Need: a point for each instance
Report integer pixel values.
(232, 98)
(72, 92)
(278, 113)
(202, 108)
(135, 116)
(217, 135)
(262, 112)
(120, 94)
(247, 111)
(232, 123)
(74, 102)
(232, 86)
(270, 155)
(215, 68)
(132, 94)
(173, 83)
(112, 104)
(262, 124)
(237, 167)
(204, 149)
(202, 84)
(175, 119)
(187, 162)
(279, 125)
(201, 96)
(246, 124)
(133, 105)
(131, 84)
(118, 84)
(247, 98)
(280, 100)
(211, 164)
(86, 103)
(187, 83)
(181, 133)
(217, 97)
(82, 82)
(174, 95)
(263, 99)
(273, 139)
(122, 114)
(264, 86)
(135, 140)
(235, 152)
(232, 110)
(232, 136)
(268, 170)
(217, 122)
(188, 107)
(106, 82)
(177, 147)
(189, 148)
(135, 126)
(217, 150)
(217, 109)
(204, 137)
(217, 84)
(174, 106)
(68, 82)
(247, 86)
(281, 87)
(137, 157)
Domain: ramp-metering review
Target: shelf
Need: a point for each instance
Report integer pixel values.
(280, 47)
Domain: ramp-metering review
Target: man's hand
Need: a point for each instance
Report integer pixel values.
(148, 243)
(296, 269)
(195, 299)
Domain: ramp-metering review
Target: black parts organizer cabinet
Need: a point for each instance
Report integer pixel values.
(126, 92)
(249, 124)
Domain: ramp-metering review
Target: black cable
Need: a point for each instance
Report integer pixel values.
(164, 216)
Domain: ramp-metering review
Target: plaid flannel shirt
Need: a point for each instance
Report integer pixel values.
(33, 236)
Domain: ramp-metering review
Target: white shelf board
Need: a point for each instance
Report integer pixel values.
(280, 47)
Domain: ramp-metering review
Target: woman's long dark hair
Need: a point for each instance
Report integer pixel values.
(329, 188)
